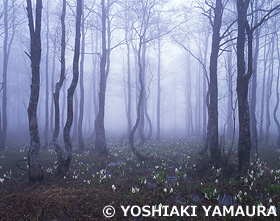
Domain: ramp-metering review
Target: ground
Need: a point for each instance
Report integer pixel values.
(176, 174)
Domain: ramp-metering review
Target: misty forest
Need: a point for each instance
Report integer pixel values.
(137, 102)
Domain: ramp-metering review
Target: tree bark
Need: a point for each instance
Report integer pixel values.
(59, 152)
(52, 87)
(6, 54)
(46, 131)
(254, 84)
(100, 137)
(212, 127)
(277, 93)
(269, 93)
(35, 171)
(244, 142)
(71, 90)
(82, 91)
(158, 86)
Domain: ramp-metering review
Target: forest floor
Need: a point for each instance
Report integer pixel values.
(176, 174)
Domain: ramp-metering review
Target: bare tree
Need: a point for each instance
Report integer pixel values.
(100, 138)
(212, 126)
(35, 171)
(82, 90)
(46, 132)
(244, 144)
(6, 53)
(59, 152)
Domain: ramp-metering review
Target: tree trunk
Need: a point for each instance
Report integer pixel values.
(269, 93)
(100, 137)
(46, 131)
(61, 168)
(6, 54)
(244, 142)
(265, 56)
(230, 95)
(35, 171)
(254, 84)
(139, 104)
(4, 84)
(82, 91)
(144, 102)
(158, 87)
(52, 88)
(277, 93)
(71, 90)
(212, 127)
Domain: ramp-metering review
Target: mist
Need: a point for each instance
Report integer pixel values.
(128, 82)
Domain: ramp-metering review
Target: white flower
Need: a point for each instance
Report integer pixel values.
(132, 189)
(176, 170)
(214, 193)
(271, 171)
(216, 181)
(2, 180)
(137, 189)
(113, 188)
(270, 200)
(171, 190)
(206, 196)
(165, 190)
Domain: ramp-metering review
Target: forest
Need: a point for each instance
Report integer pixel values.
(139, 109)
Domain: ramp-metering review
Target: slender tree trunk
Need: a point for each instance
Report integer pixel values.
(64, 100)
(230, 95)
(277, 93)
(71, 90)
(52, 88)
(128, 114)
(205, 85)
(144, 102)
(75, 118)
(212, 127)
(6, 54)
(265, 56)
(244, 142)
(35, 171)
(139, 104)
(254, 84)
(100, 139)
(158, 88)
(46, 131)
(269, 93)
(61, 170)
(82, 91)
(4, 84)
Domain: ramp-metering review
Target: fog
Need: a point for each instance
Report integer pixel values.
(107, 104)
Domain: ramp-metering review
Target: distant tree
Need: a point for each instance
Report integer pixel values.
(35, 171)
(8, 40)
(277, 84)
(82, 90)
(47, 120)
